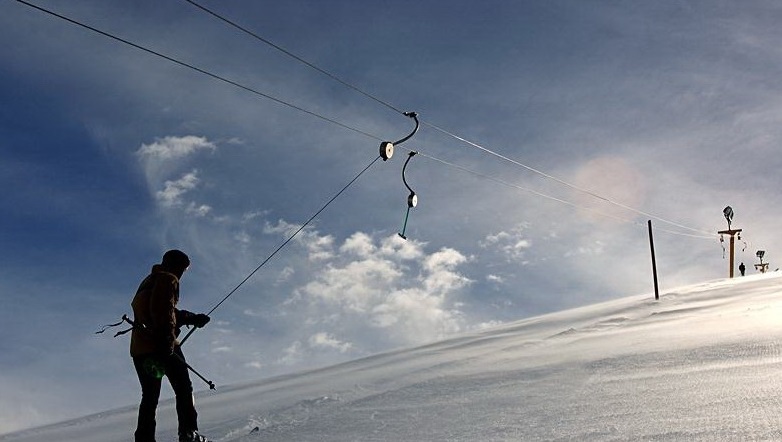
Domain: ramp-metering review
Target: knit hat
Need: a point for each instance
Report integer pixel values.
(175, 259)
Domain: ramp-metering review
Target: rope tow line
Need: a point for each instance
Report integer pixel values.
(290, 54)
(700, 232)
(284, 243)
(198, 69)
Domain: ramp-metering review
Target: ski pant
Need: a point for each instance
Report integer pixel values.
(150, 370)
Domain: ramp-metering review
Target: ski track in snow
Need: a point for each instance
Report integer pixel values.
(703, 363)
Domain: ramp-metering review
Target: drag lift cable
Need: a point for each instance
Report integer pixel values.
(285, 243)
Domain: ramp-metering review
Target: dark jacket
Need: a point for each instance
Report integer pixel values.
(155, 314)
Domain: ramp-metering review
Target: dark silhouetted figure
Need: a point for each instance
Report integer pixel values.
(742, 268)
(156, 351)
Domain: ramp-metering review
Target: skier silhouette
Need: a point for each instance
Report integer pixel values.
(155, 350)
(742, 268)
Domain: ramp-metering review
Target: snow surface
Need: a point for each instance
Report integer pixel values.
(702, 363)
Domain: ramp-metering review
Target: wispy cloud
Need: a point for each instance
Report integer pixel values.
(292, 354)
(162, 159)
(512, 244)
(171, 195)
(328, 341)
(166, 155)
(171, 148)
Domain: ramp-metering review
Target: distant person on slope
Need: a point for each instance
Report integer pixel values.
(742, 268)
(155, 350)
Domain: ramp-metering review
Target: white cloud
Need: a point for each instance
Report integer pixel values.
(253, 313)
(406, 250)
(488, 324)
(163, 159)
(285, 275)
(319, 247)
(174, 190)
(156, 160)
(391, 291)
(251, 216)
(171, 195)
(593, 248)
(512, 244)
(254, 364)
(355, 286)
(282, 227)
(328, 341)
(495, 278)
(199, 210)
(445, 259)
(168, 148)
(291, 355)
(441, 277)
(423, 312)
(415, 315)
(243, 238)
(359, 244)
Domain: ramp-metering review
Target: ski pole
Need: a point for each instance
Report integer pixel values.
(189, 367)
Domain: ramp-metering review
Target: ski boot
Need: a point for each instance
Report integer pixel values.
(192, 436)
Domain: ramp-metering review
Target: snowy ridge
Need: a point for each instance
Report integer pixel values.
(703, 363)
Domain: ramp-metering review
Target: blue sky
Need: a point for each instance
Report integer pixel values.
(111, 155)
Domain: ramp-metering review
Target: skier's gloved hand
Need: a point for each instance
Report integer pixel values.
(199, 320)
(184, 317)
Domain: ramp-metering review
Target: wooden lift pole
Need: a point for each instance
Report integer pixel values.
(732, 233)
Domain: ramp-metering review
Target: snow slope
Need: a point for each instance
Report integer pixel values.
(703, 363)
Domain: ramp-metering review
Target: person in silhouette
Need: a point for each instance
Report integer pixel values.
(742, 268)
(156, 351)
